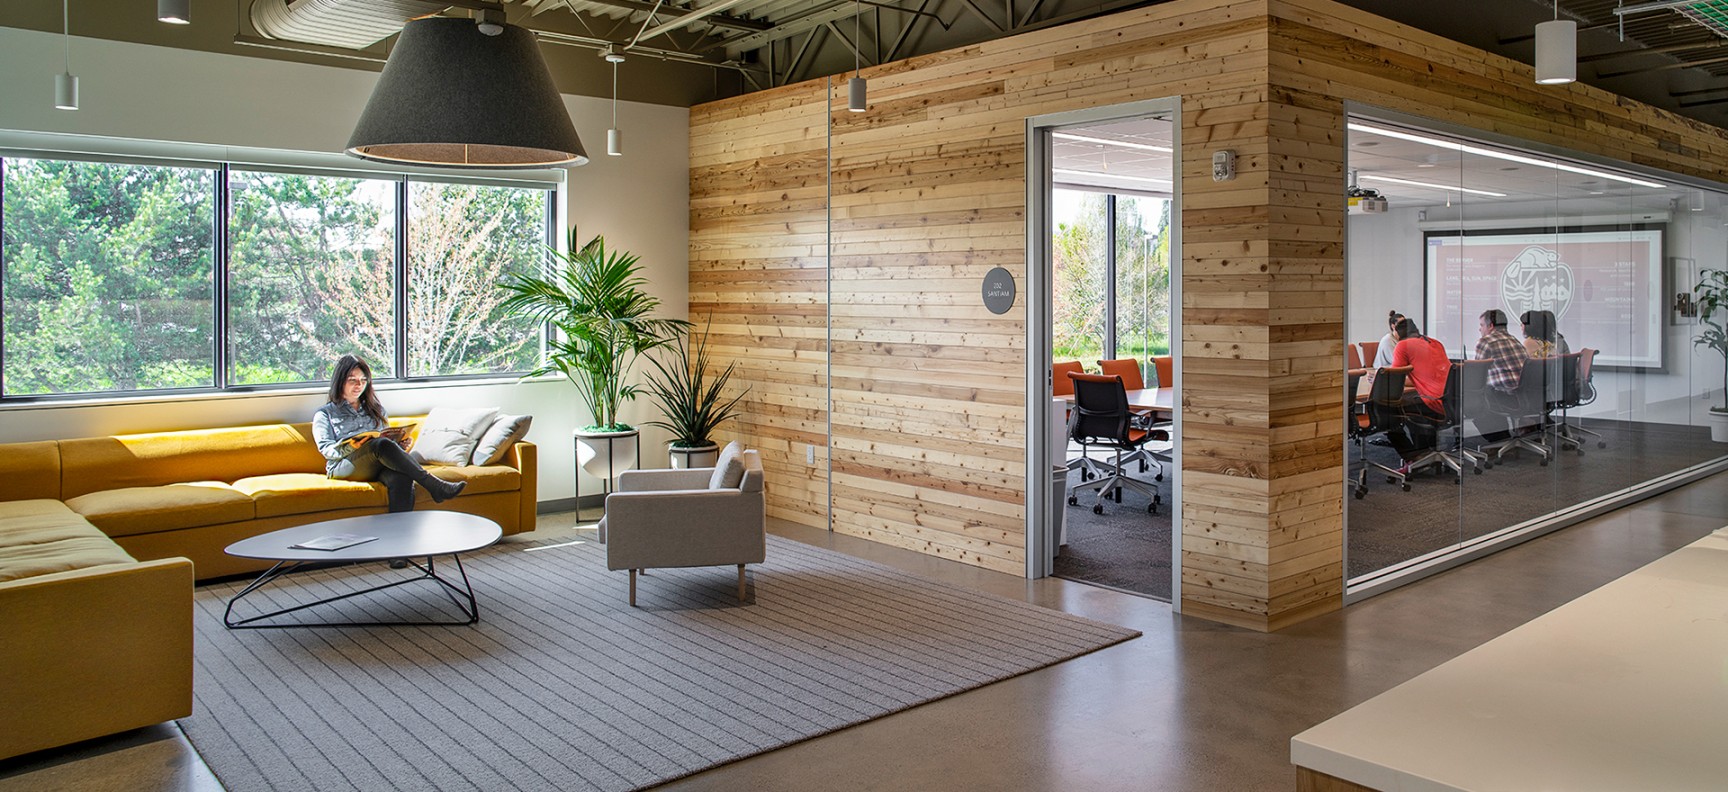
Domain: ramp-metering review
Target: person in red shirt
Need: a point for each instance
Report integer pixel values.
(1429, 368)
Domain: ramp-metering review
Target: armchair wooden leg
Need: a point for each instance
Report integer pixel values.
(740, 583)
(632, 588)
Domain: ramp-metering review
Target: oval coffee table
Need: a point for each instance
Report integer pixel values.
(400, 535)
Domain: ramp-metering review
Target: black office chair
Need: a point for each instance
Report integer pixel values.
(1456, 456)
(1575, 391)
(1527, 410)
(1383, 412)
(1473, 394)
(1101, 418)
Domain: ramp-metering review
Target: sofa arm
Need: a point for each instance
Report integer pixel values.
(651, 480)
(93, 652)
(525, 457)
(685, 528)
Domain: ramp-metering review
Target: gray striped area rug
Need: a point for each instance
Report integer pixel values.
(563, 686)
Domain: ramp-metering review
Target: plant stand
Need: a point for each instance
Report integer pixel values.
(604, 455)
(698, 457)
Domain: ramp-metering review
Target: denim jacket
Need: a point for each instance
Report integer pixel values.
(335, 422)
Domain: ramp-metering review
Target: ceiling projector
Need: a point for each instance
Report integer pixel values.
(1361, 201)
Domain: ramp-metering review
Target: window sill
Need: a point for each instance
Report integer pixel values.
(262, 393)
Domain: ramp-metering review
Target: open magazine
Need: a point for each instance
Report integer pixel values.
(403, 435)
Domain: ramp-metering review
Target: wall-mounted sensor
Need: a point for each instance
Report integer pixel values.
(1223, 165)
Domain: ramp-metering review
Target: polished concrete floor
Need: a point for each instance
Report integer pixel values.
(1190, 705)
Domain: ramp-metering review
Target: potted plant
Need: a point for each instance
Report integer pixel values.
(594, 300)
(693, 403)
(1711, 296)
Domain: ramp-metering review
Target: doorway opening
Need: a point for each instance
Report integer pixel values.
(1105, 241)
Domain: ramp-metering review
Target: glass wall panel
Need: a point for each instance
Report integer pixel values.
(1143, 281)
(462, 240)
(1594, 385)
(1079, 248)
(311, 275)
(109, 276)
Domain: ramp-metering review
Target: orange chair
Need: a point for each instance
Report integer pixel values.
(1060, 383)
(1370, 349)
(1166, 371)
(1354, 357)
(1126, 368)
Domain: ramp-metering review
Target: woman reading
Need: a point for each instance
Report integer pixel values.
(358, 443)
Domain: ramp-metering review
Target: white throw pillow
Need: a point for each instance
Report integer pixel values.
(495, 442)
(728, 469)
(448, 434)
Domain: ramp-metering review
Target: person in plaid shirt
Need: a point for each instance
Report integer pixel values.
(1499, 346)
(1508, 355)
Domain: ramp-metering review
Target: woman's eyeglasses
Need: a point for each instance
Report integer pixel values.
(358, 380)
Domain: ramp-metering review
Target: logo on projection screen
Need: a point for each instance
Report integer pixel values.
(1534, 280)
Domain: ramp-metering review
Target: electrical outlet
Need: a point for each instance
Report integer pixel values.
(809, 454)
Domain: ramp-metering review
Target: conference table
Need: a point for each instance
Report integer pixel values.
(1158, 401)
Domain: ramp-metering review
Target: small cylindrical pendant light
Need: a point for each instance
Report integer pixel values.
(66, 85)
(856, 88)
(174, 12)
(65, 91)
(855, 95)
(614, 136)
(1557, 50)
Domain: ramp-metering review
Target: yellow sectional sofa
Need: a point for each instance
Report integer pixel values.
(101, 539)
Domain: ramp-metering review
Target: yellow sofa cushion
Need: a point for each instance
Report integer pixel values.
(481, 480)
(41, 537)
(96, 464)
(139, 510)
(30, 470)
(303, 493)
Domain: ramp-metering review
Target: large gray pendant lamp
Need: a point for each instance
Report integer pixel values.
(451, 95)
(1556, 50)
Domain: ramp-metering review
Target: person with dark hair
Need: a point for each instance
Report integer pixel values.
(1383, 355)
(1499, 346)
(353, 433)
(1542, 338)
(1429, 368)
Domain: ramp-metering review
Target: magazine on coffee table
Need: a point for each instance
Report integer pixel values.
(333, 542)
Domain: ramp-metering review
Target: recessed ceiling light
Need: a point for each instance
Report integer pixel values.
(1510, 168)
(1496, 154)
(1426, 165)
(1444, 187)
(1368, 144)
(1065, 172)
(1109, 142)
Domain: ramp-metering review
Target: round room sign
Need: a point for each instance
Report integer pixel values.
(998, 290)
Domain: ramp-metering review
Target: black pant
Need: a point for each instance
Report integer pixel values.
(1420, 430)
(385, 462)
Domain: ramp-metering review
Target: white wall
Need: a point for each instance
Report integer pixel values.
(1386, 270)
(640, 202)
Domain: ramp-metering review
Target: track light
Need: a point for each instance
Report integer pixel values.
(856, 87)
(65, 84)
(174, 12)
(1556, 50)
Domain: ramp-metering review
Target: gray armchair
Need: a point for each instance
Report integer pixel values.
(687, 518)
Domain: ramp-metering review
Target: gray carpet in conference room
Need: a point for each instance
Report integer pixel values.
(1388, 526)
(563, 686)
(1124, 548)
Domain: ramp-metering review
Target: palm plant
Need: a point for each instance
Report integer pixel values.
(1712, 296)
(595, 301)
(694, 404)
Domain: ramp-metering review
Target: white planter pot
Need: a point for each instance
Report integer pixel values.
(606, 454)
(699, 457)
(1719, 426)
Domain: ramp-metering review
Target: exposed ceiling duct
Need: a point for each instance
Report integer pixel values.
(355, 24)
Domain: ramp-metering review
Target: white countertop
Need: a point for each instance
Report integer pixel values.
(1625, 688)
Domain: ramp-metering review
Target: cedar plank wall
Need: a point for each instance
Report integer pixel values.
(758, 266)
(928, 194)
